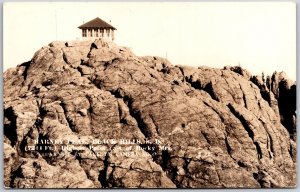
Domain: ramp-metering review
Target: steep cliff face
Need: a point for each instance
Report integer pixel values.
(222, 127)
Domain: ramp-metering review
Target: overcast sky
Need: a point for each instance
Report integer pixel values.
(260, 36)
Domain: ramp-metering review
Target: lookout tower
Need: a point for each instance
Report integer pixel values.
(97, 28)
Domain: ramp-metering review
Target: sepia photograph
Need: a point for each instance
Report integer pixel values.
(149, 95)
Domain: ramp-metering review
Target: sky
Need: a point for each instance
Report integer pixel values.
(259, 36)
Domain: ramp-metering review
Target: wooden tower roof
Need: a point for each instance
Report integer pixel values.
(96, 23)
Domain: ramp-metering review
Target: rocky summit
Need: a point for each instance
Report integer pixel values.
(91, 114)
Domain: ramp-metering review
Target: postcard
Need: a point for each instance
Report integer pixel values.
(149, 95)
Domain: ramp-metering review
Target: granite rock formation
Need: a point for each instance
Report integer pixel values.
(223, 128)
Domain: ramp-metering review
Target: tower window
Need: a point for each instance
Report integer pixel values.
(83, 32)
(102, 31)
(107, 32)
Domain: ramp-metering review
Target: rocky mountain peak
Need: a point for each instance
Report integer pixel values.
(180, 126)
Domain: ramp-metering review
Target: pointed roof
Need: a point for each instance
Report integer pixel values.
(96, 23)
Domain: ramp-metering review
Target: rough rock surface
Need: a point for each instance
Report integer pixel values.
(225, 127)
